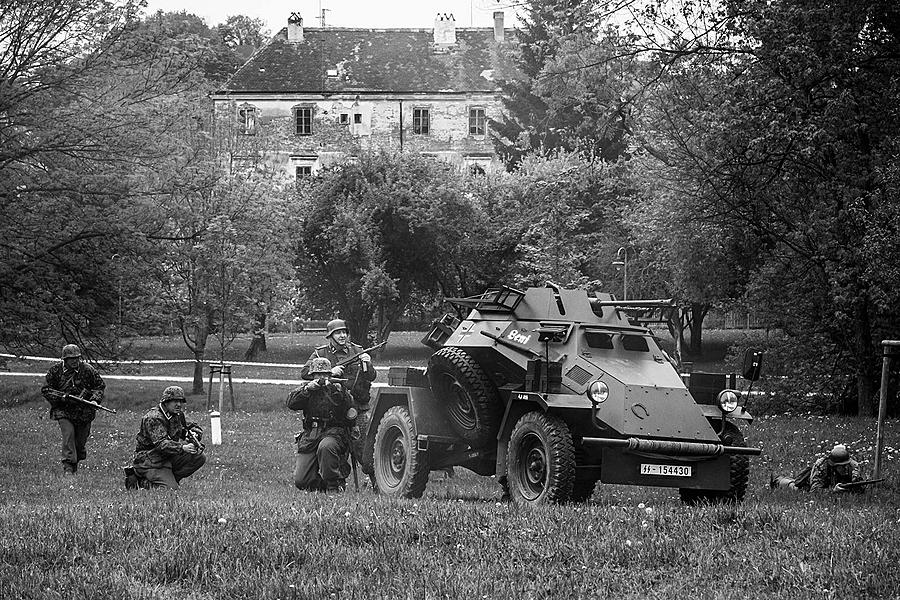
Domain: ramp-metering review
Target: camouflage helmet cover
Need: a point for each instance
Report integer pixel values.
(71, 351)
(173, 392)
(335, 325)
(839, 455)
(320, 366)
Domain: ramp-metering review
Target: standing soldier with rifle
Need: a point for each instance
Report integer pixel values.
(74, 390)
(352, 363)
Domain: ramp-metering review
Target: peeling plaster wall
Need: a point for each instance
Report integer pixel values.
(379, 128)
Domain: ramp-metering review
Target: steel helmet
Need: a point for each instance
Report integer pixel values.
(173, 392)
(320, 366)
(71, 351)
(333, 326)
(839, 455)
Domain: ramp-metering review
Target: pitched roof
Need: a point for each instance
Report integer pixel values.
(370, 60)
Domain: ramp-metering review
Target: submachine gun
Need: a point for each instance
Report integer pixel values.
(191, 436)
(91, 403)
(350, 359)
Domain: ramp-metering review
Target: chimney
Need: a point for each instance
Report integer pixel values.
(295, 28)
(444, 29)
(498, 26)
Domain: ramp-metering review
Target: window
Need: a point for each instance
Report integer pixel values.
(344, 119)
(302, 171)
(247, 120)
(357, 118)
(421, 121)
(477, 165)
(476, 121)
(303, 120)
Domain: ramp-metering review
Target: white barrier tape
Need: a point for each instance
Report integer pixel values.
(170, 362)
(179, 379)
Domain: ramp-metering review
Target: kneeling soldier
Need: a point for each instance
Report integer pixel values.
(323, 448)
(168, 448)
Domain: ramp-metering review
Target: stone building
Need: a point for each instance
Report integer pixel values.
(325, 94)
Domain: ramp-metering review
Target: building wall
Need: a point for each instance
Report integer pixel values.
(379, 127)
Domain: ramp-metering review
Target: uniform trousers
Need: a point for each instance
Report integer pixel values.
(322, 468)
(75, 435)
(183, 465)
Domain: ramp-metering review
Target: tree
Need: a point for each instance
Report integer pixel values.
(778, 120)
(80, 131)
(548, 104)
(378, 233)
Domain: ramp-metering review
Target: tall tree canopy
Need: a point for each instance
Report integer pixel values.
(777, 120)
(547, 104)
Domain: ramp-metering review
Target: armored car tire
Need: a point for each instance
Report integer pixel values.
(540, 460)
(401, 469)
(740, 474)
(469, 397)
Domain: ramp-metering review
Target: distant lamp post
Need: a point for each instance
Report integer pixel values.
(622, 261)
(119, 300)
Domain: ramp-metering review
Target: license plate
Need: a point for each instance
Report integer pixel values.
(666, 470)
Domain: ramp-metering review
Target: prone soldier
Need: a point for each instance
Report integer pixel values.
(68, 381)
(329, 417)
(832, 472)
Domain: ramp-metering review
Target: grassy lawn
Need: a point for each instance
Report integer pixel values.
(239, 529)
(91, 538)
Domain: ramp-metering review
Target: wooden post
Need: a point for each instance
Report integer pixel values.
(209, 389)
(230, 387)
(888, 346)
(221, 368)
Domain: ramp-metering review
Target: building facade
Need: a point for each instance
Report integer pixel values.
(320, 95)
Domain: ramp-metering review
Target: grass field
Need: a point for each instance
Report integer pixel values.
(239, 529)
(92, 539)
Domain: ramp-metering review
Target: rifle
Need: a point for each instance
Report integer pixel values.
(191, 436)
(350, 359)
(91, 403)
(858, 485)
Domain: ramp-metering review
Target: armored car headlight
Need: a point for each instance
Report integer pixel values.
(728, 400)
(598, 392)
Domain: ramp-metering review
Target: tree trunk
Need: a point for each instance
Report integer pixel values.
(199, 352)
(258, 343)
(866, 375)
(698, 313)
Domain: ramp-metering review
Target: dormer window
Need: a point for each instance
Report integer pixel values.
(247, 120)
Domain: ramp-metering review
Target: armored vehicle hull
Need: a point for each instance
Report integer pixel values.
(553, 390)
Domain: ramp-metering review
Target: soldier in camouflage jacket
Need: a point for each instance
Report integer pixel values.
(164, 454)
(77, 378)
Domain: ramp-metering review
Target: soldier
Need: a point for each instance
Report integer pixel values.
(168, 448)
(328, 417)
(77, 378)
(359, 375)
(827, 473)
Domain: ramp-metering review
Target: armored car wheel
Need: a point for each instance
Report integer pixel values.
(401, 469)
(473, 406)
(541, 460)
(740, 474)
